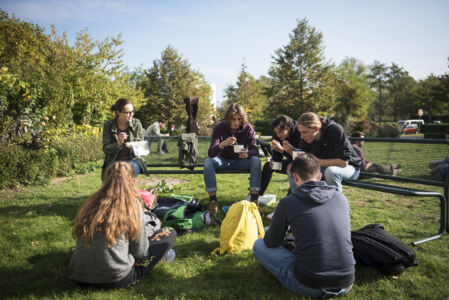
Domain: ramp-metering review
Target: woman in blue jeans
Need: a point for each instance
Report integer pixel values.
(223, 154)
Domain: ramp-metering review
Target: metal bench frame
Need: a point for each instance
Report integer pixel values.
(387, 188)
(398, 190)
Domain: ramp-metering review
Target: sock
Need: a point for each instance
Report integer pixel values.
(213, 198)
(254, 197)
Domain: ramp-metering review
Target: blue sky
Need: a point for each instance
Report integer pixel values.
(216, 37)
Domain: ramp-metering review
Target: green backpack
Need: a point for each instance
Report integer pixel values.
(181, 215)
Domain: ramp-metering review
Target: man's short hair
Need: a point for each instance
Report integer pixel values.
(282, 122)
(357, 134)
(306, 165)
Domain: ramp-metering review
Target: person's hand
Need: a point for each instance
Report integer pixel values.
(243, 153)
(122, 138)
(287, 147)
(271, 164)
(277, 146)
(431, 165)
(227, 142)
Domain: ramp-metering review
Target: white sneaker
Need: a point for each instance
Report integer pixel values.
(206, 218)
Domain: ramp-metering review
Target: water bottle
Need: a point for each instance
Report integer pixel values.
(169, 256)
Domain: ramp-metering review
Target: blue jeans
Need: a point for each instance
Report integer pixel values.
(334, 175)
(136, 167)
(281, 262)
(212, 164)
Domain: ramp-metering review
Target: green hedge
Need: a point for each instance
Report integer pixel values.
(263, 126)
(435, 131)
(390, 129)
(64, 156)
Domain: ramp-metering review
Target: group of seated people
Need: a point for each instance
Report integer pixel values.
(116, 246)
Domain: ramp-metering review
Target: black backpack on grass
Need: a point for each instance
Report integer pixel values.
(374, 246)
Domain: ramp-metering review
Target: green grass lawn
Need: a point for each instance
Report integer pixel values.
(36, 246)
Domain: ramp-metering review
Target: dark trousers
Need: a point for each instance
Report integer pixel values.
(161, 241)
(267, 173)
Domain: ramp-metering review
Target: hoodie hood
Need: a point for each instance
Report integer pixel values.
(315, 192)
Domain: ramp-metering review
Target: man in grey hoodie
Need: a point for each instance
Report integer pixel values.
(321, 263)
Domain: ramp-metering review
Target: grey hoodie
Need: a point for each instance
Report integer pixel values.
(101, 264)
(319, 218)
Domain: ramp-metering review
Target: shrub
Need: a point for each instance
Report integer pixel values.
(366, 126)
(391, 129)
(435, 131)
(67, 155)
(263, 126)
(75, 150)
(19, 165)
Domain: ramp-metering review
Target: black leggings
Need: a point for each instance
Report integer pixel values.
(160, 242)
(267, 173)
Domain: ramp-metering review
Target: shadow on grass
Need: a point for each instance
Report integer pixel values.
(46, 276)
(64, 207)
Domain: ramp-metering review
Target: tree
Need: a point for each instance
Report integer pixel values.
(248, 92)
(378, 77)
(354, 95)
(46, 84)
(400, 86)
(300, 78)
(166, 84)
(433, 95)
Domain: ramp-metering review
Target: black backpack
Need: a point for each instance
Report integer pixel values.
(374, 246)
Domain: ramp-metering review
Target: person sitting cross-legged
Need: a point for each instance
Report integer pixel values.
(115, 246)
(321, 263)
(235, 130)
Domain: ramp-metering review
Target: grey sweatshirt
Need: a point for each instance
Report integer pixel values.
(100, 264)
(319, 218)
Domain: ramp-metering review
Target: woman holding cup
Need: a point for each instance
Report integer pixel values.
(285, 141)
(119, 131)
(233, 147)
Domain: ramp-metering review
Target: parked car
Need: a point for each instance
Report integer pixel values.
(419, 122)
(410, 128)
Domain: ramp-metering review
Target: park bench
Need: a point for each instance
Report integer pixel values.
(413, 154)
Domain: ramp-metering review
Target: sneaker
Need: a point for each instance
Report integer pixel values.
(213, 207)
(396, 171)
(161, 153)
(206, 217)
(396, 166)
(169, 256)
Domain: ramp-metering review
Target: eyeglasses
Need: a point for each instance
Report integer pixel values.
(129, 113)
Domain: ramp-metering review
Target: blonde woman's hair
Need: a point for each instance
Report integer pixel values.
(113, 210)
(234, 109)
(311, 120)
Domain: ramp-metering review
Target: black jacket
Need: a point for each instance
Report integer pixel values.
(294, 138)
(334, 143)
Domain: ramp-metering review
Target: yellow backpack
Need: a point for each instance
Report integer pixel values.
(241, 227)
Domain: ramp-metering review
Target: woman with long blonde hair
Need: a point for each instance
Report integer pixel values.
(112, 246)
